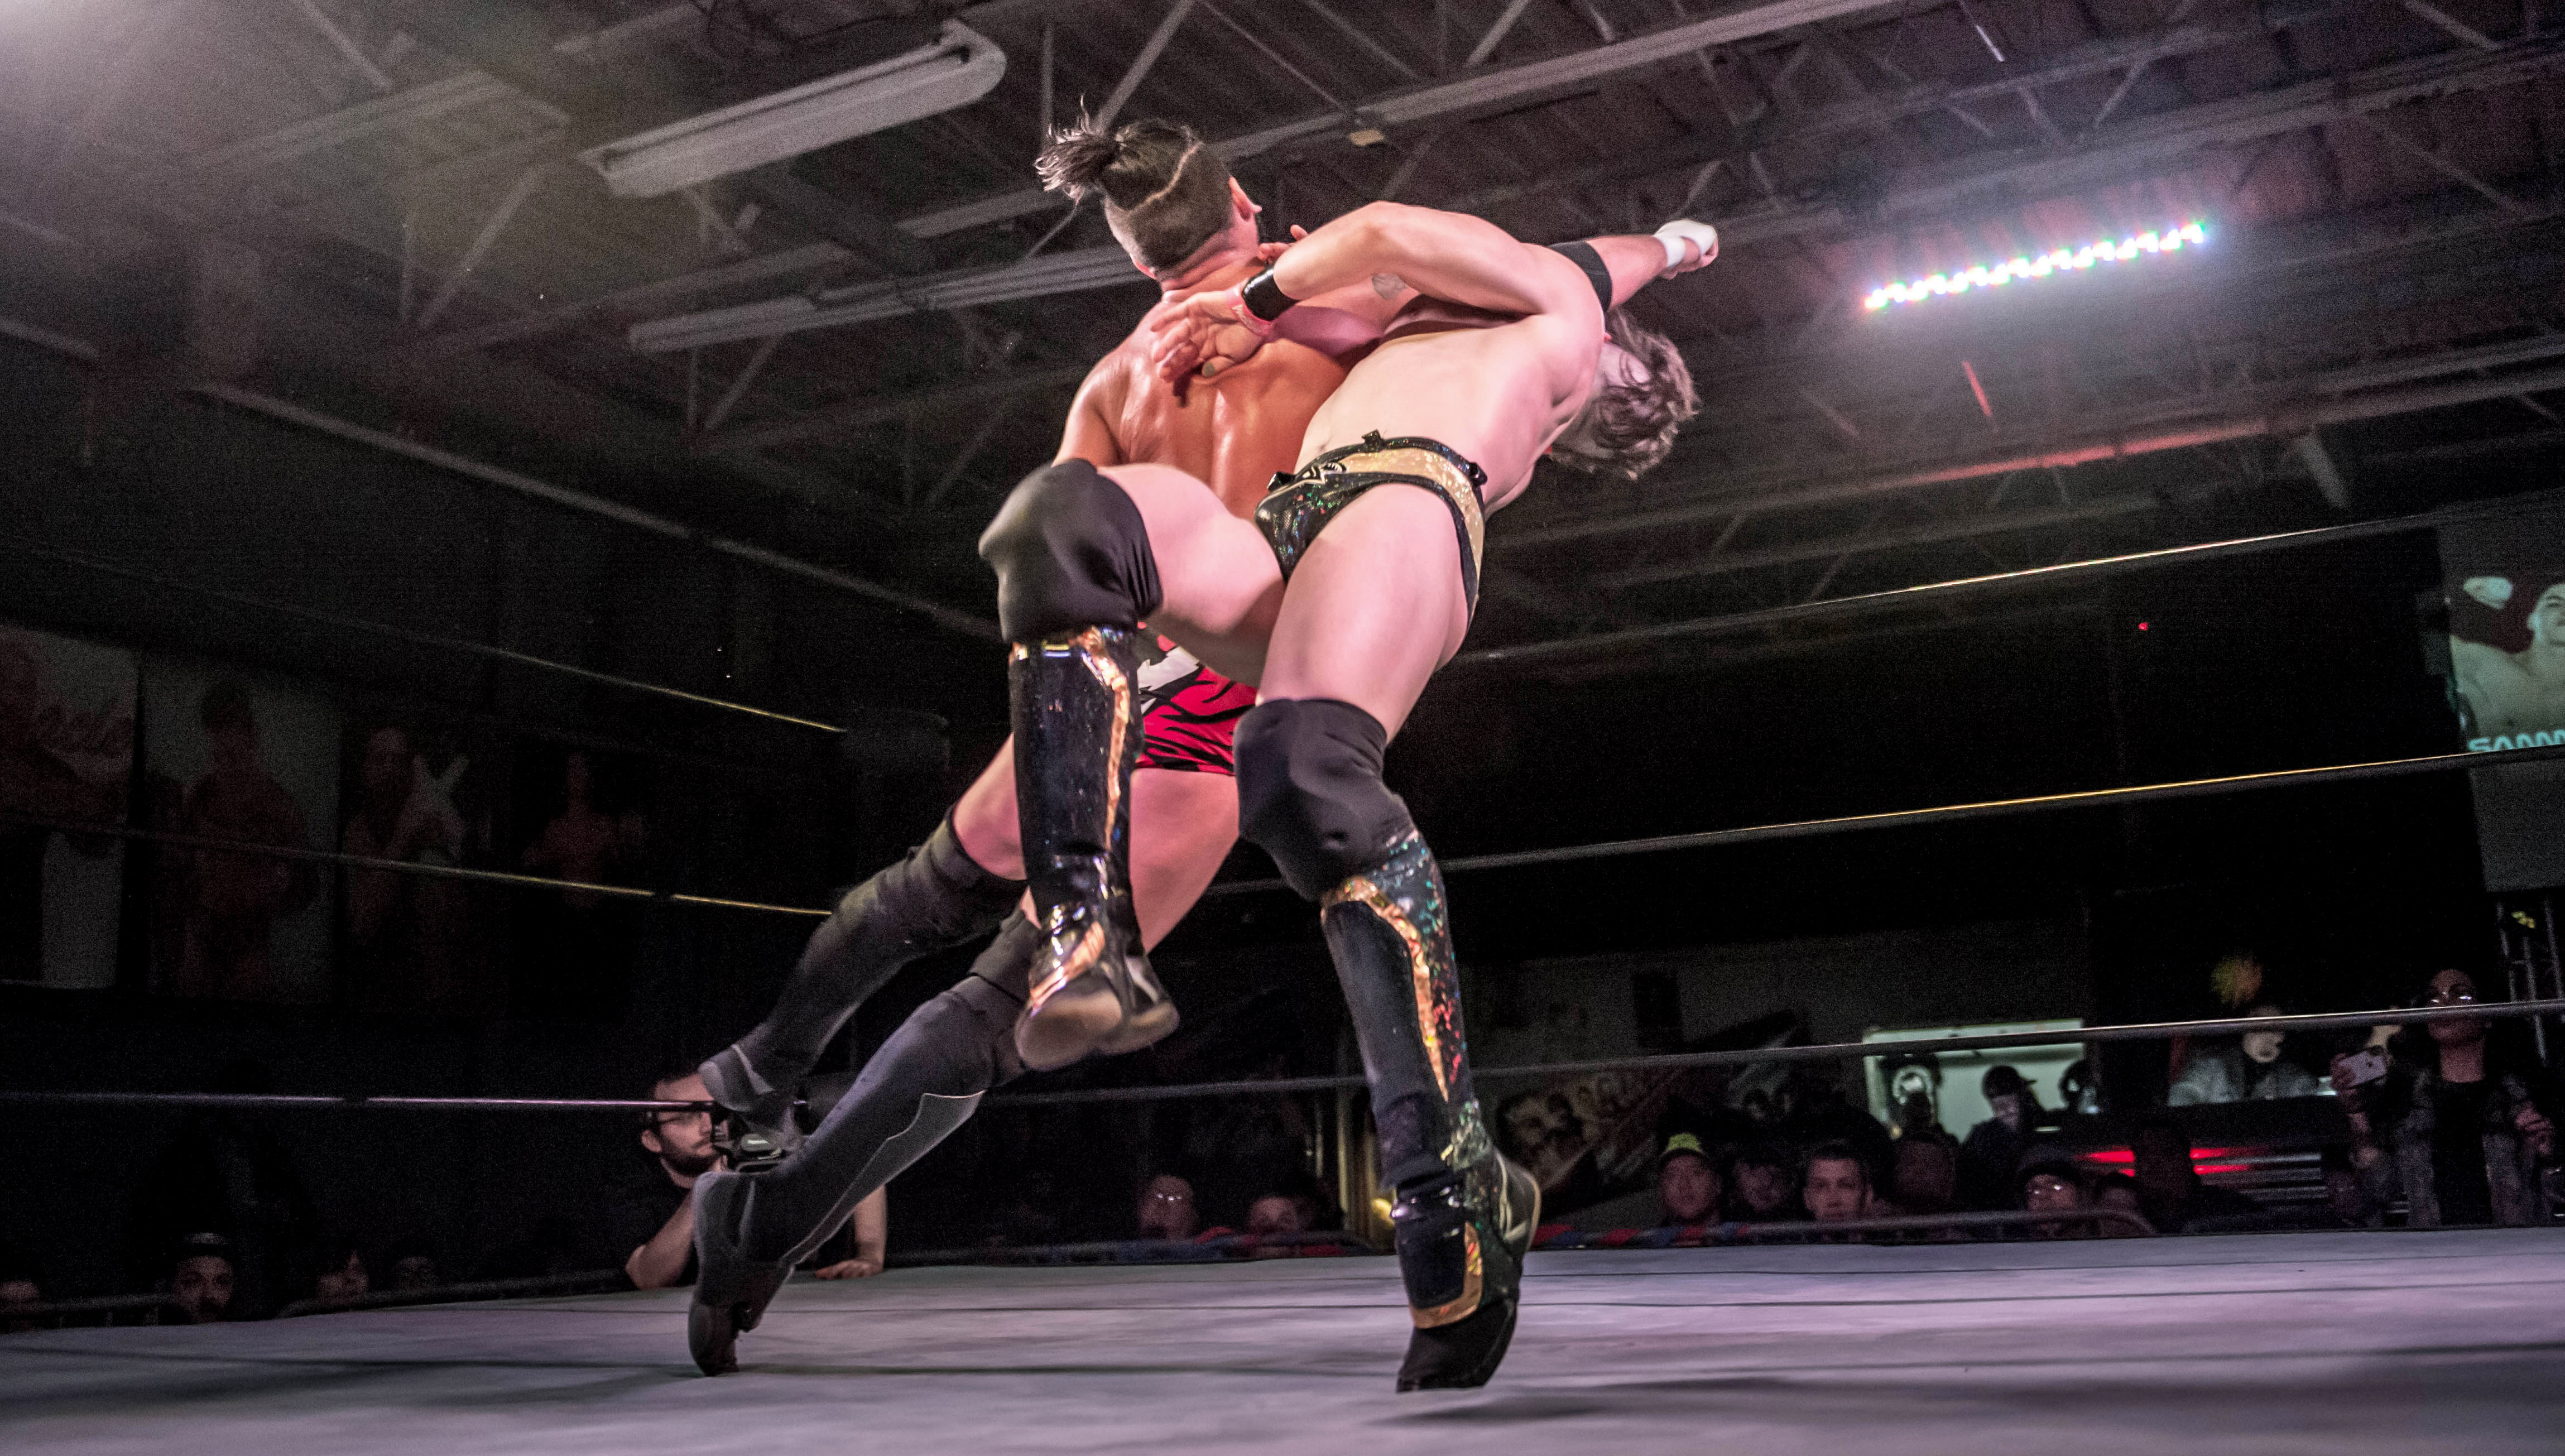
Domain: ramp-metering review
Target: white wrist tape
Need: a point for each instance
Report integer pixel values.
(1684, 230)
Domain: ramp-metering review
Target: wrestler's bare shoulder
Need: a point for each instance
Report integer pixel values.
(2479, 657)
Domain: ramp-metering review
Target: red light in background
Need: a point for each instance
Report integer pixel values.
(2203, 1160)
(2142, 626)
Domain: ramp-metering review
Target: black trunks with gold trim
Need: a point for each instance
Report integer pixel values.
(1299, 506)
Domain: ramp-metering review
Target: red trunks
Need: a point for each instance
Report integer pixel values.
(1190, 713)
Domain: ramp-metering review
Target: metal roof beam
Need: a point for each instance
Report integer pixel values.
(875, 409)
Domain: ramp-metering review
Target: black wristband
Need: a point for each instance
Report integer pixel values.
(1263, 297)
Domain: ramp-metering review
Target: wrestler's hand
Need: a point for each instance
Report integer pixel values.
(1691, 245)
(2491, 593)
(1266, 252)
(849, 1269)
(1198, 335)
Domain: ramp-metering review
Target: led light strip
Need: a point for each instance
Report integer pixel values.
(2064, 260)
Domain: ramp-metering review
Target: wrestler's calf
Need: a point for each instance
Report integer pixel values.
(934, 899)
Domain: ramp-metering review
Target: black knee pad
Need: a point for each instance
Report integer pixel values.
(1309, 791)
(1071, 552)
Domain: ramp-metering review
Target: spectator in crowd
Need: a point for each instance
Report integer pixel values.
(200, 1280)
(650, 1214)
(1765, 1182)
(339, 1275)
(1925, 1175)
(1835, 1185)
(2052, 1183)
(20, 1294)
(1292, 1205)
(1914, 1091)
(413, 1262)
(1994, 1147)
(2118, 1191)
(1821, 1113)
(2250, 1071)
(2460, 1133)
(2169, 1191)
(1687, 1187)
(1167, 1208)
(228, 1171)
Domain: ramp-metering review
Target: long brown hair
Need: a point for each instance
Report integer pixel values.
(1627, 429)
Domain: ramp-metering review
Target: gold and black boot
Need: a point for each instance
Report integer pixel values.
(1462, 1215)
(1076, 707)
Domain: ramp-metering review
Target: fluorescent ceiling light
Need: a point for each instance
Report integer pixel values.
(2062, 260)
(1052, 273)
(958, 69)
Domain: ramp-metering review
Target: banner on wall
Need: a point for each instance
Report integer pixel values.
(229, 757)
(421, 791)
(66, 756)
(581, 814)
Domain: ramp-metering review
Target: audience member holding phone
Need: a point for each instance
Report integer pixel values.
(2460, 1130)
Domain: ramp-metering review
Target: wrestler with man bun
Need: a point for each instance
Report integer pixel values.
(1171, 202)
(1340, 602)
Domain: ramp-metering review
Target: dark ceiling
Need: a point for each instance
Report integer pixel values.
(2370, 329)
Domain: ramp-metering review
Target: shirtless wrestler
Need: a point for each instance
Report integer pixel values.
(1340, 602)
(1172, 204)
(2519, 692)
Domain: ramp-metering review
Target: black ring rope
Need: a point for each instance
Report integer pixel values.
(1669, 1061)
(1750, 834)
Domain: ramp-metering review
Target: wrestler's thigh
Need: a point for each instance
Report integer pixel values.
(983, 818)
(1220, 584)
(1375, 605)
(1182, 827)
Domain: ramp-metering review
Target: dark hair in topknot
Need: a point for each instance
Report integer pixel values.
(1165, 191)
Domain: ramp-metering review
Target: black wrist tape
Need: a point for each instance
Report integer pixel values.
(1264, 297)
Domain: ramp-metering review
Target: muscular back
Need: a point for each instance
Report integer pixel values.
(1234, 432)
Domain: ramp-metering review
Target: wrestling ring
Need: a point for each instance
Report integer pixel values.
(2339, 1342)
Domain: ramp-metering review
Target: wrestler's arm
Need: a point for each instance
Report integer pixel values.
(1635, 262)
(1445, 254)
(1413, 250)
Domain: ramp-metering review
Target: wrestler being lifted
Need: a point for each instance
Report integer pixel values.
(1340, 600)
(1172, 204)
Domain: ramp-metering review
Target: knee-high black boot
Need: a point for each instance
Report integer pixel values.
(1076, 579)
(1076, 708)
(1462, 1215)
(1310, 794)
(925, 1082)
(935, 898)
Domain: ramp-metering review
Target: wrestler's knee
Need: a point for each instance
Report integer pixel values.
(1309, 791)
(1070, 551)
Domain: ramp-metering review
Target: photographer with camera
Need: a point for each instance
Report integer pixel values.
(2460, 1131)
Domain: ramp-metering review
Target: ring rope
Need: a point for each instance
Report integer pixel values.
(1667, 1061)
(1609, 849)
(400, 867)
(2106, 566)
(45, 551)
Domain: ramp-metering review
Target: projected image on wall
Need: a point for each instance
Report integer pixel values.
(2505, 588)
